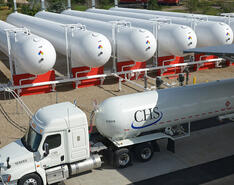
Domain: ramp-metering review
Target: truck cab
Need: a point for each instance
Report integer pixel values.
(53, 148)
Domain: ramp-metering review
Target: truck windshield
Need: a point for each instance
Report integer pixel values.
(31, 140)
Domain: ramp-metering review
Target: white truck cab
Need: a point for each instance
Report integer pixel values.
(55, 147)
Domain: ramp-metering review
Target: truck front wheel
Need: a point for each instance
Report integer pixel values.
(122, 158)
(30, 179)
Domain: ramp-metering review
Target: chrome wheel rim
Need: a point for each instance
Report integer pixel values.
(124, 159)
(30, 181)
(146, 153)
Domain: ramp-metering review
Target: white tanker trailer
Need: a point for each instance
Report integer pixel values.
(208, 33)
(172, 39)
(135, 44)
(87, 48)
(226, 19)
(57, 144)
(31, 53)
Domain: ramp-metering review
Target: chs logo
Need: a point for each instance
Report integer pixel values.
(100, 47)
(227, 34)
(147, 42)
(150, 116)
(189, 38)
(40, 53)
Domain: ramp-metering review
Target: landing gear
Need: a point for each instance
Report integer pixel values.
(144, 152)
(122, 158)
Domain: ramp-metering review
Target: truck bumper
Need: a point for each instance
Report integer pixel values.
(9, 183)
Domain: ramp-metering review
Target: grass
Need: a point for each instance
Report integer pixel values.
(79, 7)
(214, 7)
(4, 13)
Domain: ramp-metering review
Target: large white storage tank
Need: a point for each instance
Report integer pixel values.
(32, 54)
(208, 33)
(130, 115)
(225, 19)
(172, 39)
(87, 48)
(135, 44)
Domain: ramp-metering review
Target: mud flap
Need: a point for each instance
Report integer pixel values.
(156, 146)
(171, 145)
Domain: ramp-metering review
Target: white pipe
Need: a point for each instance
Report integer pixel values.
(3, 87)
(93, 4)
(15, 6)
(116, 3)
(42, 5)
(69, 4)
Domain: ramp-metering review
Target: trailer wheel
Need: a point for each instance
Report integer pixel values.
(122, 158)
(30, 179)
(144, 152)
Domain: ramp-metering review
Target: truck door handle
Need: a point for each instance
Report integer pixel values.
(62, 158)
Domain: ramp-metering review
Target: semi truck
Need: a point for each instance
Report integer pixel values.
(59, 143)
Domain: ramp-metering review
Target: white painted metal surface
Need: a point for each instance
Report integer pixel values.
(208, 33)
(130, 115)
(135, 44)
(87, 48)
(227, 18)
(31, 53)
(66, 114)
(172, 38)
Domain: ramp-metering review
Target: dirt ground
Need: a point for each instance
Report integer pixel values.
(85, 97)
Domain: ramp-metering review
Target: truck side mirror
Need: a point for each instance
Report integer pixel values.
(8, 163)
(46, 149)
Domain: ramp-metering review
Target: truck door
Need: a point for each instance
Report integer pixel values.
(56, 150)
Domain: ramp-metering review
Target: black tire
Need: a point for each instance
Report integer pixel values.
(122, 158)
(144, 152)
(30, 179)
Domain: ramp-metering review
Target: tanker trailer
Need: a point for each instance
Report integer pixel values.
(208, 33)
(172, 39)
(57, 145)
(31, 53)
(225, 19)
(135, 44)
(87, 48)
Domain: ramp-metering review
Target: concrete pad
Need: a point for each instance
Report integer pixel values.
(201, 147)
(223, 181)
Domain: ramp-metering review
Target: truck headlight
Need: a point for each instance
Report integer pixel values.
(6, 178)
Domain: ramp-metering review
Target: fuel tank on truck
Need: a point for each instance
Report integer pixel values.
(208, 33)
(128, 116)
(224, 19)
(88, 48)
(32, 54)
(172, 39)
(135, 44)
